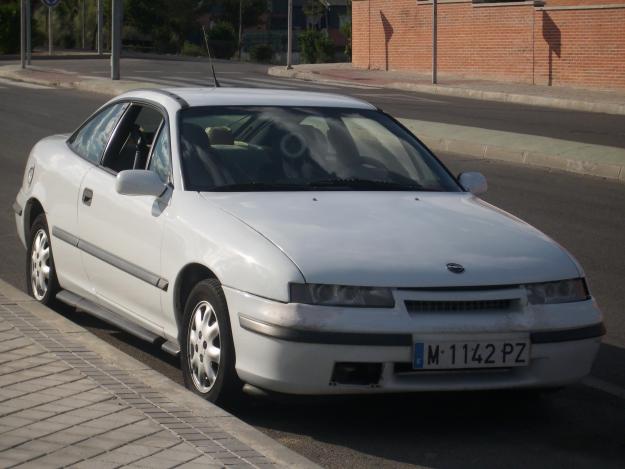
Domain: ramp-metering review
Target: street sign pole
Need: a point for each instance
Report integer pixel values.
(50, 38)
(23, 34)
(29, 20)
(100, 27)
(289, 36)
(84, 14)
(116, 30)
(240, 26)
(434, 42)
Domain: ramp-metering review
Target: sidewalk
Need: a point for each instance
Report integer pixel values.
(69, 399)
(610, 102)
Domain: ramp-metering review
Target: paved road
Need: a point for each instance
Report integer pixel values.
(578, 427)
(601, 129)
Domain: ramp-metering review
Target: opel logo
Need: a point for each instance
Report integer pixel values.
(455, 268)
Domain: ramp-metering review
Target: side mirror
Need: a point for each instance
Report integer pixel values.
(139, 182)
(473, 182)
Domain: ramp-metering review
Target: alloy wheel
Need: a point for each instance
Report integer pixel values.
(204, 347)
(40, 266)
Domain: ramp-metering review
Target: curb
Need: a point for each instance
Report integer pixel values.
(282, 456)
(91, 84)
(494, 152)
(442, 90)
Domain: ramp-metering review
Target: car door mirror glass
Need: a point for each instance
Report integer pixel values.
(139, 182)
(473, 182)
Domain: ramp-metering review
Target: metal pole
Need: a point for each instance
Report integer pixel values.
(240, 25)
(29, 20)
(50, 35)
(434, 45)
(84, 14)
(23, 34)
(100, 38)
(116, 40)
(289, 36)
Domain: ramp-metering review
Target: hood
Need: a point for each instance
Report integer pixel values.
(399, 239)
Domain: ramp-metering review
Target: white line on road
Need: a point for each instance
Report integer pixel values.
(604, 386)
(21, 84)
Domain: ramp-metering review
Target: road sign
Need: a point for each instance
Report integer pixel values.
(50, 3)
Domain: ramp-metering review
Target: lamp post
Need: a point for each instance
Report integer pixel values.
(434, 45)
(116, 39)
(289, 36)
(100, 27)
(23, 34)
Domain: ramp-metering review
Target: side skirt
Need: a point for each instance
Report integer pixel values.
(116, 320)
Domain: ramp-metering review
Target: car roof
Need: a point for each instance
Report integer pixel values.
(223, 96)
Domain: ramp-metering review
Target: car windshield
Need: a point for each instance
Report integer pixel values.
(237, 148)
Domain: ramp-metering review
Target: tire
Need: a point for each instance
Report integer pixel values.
(205, 373)
(41, 279)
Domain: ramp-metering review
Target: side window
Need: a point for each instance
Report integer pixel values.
(160, 161)
(90, 141)
(133, 139)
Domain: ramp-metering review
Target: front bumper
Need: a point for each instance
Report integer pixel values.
(294, 348)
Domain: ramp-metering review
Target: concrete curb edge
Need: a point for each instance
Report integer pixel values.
(244, 432)
(494, 152)
(560, 103)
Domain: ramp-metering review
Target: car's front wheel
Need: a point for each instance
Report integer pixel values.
(40, 272)
(207, 349)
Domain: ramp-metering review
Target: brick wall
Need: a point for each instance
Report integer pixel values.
(520, 42)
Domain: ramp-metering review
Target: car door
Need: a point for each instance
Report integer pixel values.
(120, 234)
(62, 179)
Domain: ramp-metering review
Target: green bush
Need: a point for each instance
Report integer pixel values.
(346, 29)
(325, 49)
(192, 49)
(262, 53)
(315, 46)
(221, 40)
(307, 47)
(9, 29)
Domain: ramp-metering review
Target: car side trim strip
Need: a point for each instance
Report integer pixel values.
(565, 335)
(323, 337)
(17, 208)
(111, 259)
(65, 236)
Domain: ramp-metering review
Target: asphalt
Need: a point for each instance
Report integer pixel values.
(576, 126)
(577, 427)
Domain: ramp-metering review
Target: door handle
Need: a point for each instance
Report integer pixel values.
(87, 197)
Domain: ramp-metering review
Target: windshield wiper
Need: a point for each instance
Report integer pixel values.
(357, 183)
(255, 186)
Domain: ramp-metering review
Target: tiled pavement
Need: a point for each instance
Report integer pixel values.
(62, 405)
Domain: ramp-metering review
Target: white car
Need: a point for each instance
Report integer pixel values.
(300, 242)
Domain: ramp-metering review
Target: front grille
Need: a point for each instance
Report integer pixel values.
(458, 306)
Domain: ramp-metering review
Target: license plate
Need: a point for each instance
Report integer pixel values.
(440, 355)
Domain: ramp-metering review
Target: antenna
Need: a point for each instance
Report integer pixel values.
(215, 81)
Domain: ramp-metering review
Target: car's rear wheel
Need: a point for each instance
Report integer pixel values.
(207, 349)
(40, 271)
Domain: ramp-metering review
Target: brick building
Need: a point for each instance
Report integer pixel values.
(578, 43)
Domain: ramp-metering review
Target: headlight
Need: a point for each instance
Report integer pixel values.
(338, 295)
(564, 291)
